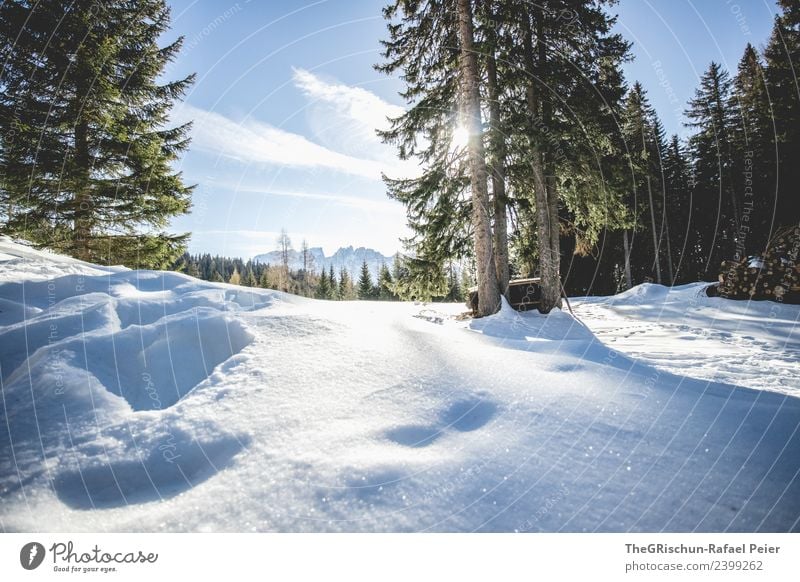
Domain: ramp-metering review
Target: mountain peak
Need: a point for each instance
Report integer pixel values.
(348, 258)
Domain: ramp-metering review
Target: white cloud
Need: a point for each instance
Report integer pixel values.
(380, 205)
(256, 142)
(365, 110)
(345, 118)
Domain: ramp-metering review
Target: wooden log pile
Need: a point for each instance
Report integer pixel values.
(775, 275)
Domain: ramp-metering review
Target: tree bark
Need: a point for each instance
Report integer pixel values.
(488, 293)
(627, 250)
(656, 249)
(545, 194)
(83, 211)
(665, 231)
(498, 171)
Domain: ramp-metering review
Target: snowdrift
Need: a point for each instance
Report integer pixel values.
(149, 401)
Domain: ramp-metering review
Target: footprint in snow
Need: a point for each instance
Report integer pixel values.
(464, 415)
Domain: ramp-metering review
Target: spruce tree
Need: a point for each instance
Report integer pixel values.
(88, 170)
(645, 242)
(518, 62)
(365, 289)
(716, 211)
(421, 47)
(385, 284)
(334, 294)
(754, 155)
(346, 290)
(687, 256)
(324, 290)
(782, 60)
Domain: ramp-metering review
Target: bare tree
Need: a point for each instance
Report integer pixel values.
(285, 247)
(308, 263)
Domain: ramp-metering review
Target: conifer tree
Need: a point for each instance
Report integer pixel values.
(385, 284)
(346, 290)
(782, 59)
(686, 255)
(422, 44)
(715, 215)
(263, 281)
(365, 289)
(644, 147)
(488, 289)
(332, 283)
(753, 155)
(324, 290)
(555, 124)
(88, 170)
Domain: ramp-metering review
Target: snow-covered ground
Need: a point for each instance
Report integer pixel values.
(681, 330)
(150, 401)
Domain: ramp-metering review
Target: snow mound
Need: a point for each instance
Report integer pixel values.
(681, 330)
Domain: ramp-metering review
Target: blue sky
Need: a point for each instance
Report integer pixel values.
(286, 101)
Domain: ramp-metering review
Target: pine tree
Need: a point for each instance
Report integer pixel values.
(782, 59)
(324, 290)
(346, 291)
(263, 281)
(644, 147)
(421, 47)
(385, 284)
(419, 280)
(365, 289)
(332, 283)
(753, 155)
(687, 256)
(716, 206)
(518, 62)
(89, 169)
(250, 279)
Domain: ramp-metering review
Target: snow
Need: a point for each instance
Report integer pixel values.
(683, 331)
(150, 401)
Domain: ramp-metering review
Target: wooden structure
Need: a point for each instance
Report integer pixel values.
(523, 294)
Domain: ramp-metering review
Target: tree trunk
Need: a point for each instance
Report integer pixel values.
(665, 234)
(488, 294)
(498, 172)
(627, 250)
(546, 200)
(82, 226)
(655, 234)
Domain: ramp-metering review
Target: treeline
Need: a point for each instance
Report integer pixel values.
(539, 159)
(390, 285)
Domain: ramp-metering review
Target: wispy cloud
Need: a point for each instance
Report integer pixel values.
(345, 118)
(342, 121)
(359, 110)
(372, 205)
(257, 142)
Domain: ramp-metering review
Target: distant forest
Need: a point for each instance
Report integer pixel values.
(391, 284)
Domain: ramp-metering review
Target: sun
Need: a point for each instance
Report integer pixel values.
(460, 138)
